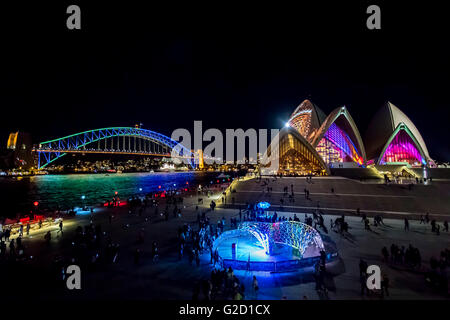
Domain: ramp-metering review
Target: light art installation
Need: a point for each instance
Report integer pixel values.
(336, 146)
(306, 119)
(295, 234)
(263, 205)
(402, 149)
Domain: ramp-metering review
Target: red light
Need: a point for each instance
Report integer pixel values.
(159, 187)
(116, 192)
(185, 189)
(23, 220)
(187, 182)
(36, 203)
(217, 181)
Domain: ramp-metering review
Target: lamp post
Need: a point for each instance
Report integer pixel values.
(83, 204)
(36, 205)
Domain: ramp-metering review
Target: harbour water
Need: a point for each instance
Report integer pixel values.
(66, 191)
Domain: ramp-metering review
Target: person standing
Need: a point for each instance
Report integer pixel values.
(28, 229)
(406, 224)
(385, 286)
(12, 248)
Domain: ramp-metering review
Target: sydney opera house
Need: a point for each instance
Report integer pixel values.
(313, 143)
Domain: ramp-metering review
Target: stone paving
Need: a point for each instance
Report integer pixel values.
(394, 200)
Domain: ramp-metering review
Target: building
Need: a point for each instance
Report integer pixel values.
(392, 138)
(307, 119)
(338, 140)
(312, 143)
(20, 150)
(291, 154)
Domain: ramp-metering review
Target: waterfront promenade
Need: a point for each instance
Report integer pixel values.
(172, 278)
(343, 196)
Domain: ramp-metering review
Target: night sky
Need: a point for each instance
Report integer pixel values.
(228, 65)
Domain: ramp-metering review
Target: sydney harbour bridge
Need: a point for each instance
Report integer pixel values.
(113, 140)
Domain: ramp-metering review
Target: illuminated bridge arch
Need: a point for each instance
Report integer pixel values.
(295, 234)
(49, 151)
(338, 139)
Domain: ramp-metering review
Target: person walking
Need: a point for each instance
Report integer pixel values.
(406, 224)
(255, 287)
(28, 229)
(48, 237)
(60, 227)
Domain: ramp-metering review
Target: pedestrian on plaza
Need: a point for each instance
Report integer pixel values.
(446, 226)
(363, 282)
(385, 254)
(28, 229)
(362, 267)
(48, 237)
(60, 227)
(12, 248)
(255, 287)
(21, 231)
(406, 224)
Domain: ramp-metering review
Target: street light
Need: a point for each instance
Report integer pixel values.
(83, 204)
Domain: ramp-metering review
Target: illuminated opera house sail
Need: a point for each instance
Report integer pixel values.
(307, 119)
(392, 138)
(293, 155)
(338, 140)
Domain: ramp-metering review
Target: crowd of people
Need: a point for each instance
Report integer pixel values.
(222, 284)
